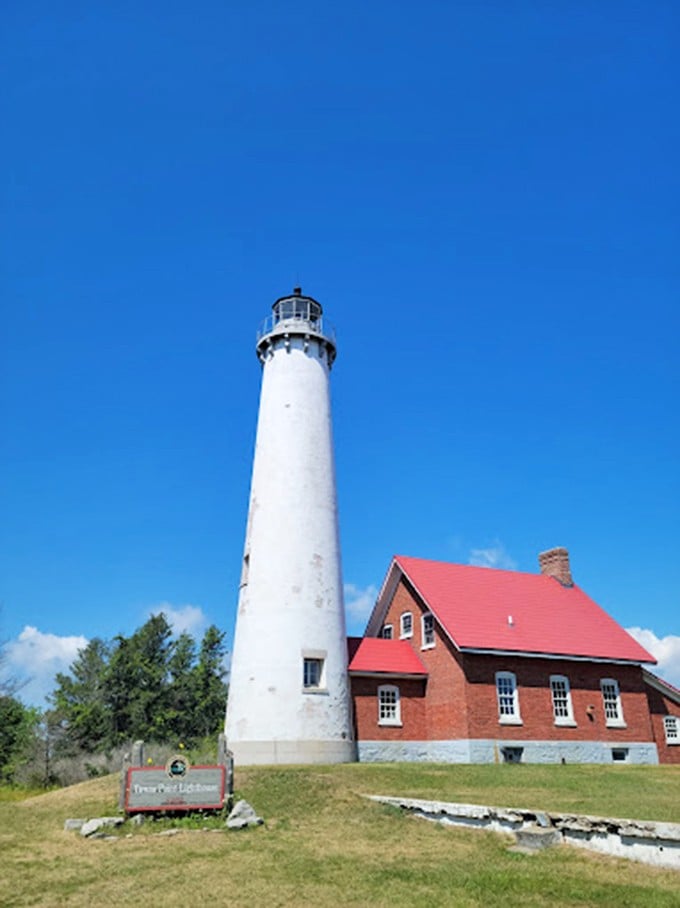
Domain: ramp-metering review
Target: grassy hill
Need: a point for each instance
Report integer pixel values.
(323, 844)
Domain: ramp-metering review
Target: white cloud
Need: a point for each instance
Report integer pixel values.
(34, 658)
(666, 650)
(189, 618)
(494, 556)
(359, 601)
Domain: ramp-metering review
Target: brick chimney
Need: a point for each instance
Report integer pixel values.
(555, 563)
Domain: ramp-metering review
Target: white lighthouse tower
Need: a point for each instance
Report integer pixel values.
(289, 696)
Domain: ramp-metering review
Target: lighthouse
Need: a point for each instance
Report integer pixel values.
(289, 698)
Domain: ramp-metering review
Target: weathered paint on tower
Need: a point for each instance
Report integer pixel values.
(289, 699)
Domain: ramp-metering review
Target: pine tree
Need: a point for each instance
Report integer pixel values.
(211, 689)
(79, 701)
(182, 693)
(137, 682)
(17, 730)
(149, 685)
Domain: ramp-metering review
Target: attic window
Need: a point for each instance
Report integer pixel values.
(427, 624)
(387, 632)
(671, 726)
(406, 625)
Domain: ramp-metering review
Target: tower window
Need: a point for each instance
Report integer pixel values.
(312, 673)
(245, 569)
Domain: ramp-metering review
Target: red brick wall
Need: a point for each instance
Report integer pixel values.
(412, 697)
(660, 706)
(461, 701)
(446, 706)
(535, 700)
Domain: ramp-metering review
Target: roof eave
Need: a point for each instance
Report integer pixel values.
(360, 673)
(491, 651)
(664, 687)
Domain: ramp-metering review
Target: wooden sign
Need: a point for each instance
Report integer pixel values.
(175, 786)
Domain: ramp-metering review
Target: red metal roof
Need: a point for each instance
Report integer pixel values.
(490, 609)
(394, 657)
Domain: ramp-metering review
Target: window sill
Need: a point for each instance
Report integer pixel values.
(405, 636)
(615, 723)
(315, 690)
(672, 743)
(510, 720)
(428, 646)
(566, 723)
(390, 723)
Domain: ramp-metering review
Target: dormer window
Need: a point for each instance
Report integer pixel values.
(406, 625)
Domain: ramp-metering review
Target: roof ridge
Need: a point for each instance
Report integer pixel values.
(472, 567)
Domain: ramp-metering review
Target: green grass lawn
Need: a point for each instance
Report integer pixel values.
(323, 844)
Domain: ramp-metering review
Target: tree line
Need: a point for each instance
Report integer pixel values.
(150, 685)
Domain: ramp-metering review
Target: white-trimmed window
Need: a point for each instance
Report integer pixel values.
(427, 629)
(563, 712)
(508, 699)
(387, 632)
(313, 673)
(389, 705)
(406, 625)
(611, 700)
(671, 725)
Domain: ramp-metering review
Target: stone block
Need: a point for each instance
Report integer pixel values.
(92, 826)
(536, 838)
(243, 815)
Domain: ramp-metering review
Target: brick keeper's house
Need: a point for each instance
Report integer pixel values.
(476, 665)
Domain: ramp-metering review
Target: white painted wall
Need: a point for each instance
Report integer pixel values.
(291, 598)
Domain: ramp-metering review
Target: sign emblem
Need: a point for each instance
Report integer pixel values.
(177, 766)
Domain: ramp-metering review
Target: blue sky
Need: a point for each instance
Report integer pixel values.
(484, 197)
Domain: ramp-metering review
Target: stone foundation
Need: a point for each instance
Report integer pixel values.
(259, 753)
(500, 751)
